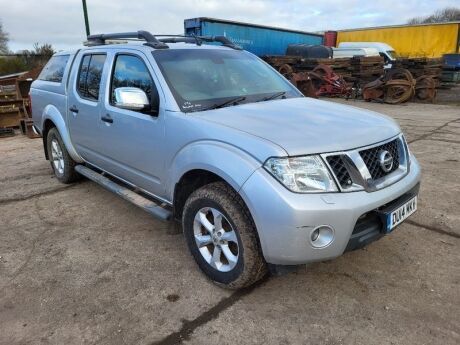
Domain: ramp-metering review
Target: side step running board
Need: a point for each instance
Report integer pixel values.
(146, 204)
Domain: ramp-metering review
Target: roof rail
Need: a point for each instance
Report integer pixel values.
(198, 40)
(154, 42)
(151, 40)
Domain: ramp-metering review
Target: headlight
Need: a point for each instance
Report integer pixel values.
(306, 174)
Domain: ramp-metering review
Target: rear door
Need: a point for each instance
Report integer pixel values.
(87, 80)
(130, 142)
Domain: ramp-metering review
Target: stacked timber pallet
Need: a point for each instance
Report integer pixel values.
(341, 66)
(299, 64)
(11, 110)
(15, 109)
(366, 68)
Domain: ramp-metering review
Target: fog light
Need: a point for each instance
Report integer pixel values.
(322, 236)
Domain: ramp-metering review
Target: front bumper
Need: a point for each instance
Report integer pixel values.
(285, 220)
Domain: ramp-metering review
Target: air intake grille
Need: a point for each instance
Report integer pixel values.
(340, 172)
(371, 158)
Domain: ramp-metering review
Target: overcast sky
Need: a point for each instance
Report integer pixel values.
(61, 23)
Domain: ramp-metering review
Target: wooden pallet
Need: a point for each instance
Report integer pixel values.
(11, 113)
(10, 119)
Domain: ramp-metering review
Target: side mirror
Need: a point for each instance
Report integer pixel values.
(131, 98)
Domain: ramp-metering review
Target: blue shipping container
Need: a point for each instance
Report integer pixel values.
(257, 39)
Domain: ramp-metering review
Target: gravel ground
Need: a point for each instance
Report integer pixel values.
(78, 265)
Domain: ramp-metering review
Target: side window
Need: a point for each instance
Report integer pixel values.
(54, 69)
(131, 71)
(83, 73)
(89, 76)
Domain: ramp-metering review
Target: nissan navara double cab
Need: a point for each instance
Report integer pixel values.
(195, 129)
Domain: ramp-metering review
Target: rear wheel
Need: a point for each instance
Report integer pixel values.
(61, 162)
(222, 237)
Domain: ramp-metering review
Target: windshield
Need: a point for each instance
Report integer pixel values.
(392, 54)
(202, 79)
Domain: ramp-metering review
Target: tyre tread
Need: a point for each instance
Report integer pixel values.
(255, 267)
(70, 175)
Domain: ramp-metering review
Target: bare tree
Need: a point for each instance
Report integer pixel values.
(37, 56)
(26, 60)
(448, 14)
(45, 50)
(3, 41)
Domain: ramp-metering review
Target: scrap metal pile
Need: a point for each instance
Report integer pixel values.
(328, 77)
(321, 81)
(361, 76)
(399, 85)
(427, 74)
(395, 86)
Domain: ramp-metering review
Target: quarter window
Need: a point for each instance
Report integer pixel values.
(131, 71)
(54, 69)
(89, 77)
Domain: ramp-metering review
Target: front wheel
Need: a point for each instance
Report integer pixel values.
(61, 162)
(222, 237)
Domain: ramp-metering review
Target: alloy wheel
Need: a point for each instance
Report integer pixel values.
(216, 239)
(57, 157)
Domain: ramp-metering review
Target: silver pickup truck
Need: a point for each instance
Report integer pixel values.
(260, 177)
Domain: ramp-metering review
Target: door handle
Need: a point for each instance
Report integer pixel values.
(73, 109)
(107, 118)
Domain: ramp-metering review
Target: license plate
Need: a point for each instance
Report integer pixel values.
(397, 216)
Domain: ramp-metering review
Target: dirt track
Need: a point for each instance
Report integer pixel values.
(78, 265)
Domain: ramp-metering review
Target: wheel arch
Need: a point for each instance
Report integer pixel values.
(46, 127)
(190, 182)
(53, 118)
(195, 179)
(204, 162)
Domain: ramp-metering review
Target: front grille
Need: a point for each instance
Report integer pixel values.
(340, 171)
(371, 158)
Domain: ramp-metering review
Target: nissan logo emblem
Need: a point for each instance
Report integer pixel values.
(385, 160)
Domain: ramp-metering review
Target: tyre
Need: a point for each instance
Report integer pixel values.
(61, 162)
(222, 237)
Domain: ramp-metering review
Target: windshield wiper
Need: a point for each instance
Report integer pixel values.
(275, 95)
(233, 101)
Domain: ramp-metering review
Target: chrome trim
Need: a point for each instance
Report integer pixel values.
(359, 173)
(324, 239)
(385, 160)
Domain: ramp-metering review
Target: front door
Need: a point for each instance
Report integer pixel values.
(130, 142)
